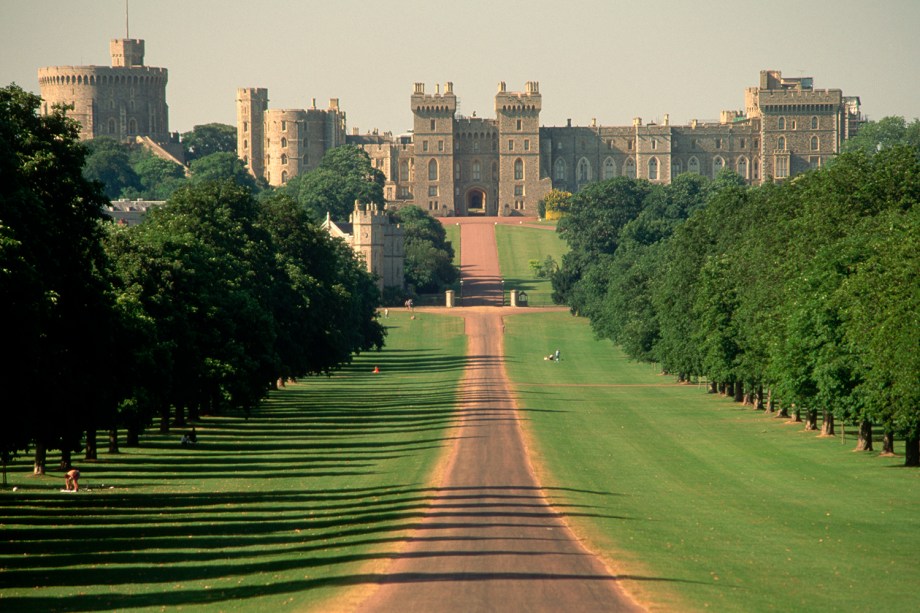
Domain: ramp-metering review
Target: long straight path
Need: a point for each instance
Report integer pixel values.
(489, 541)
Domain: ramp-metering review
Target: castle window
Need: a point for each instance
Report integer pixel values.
(519, 124)
(477, 171)
(433, 170)
(111, 105)
(630, 168)
(629, 144)
(518, 190)
(782, 167)
(653, 169)
(284, 126)
(781, 143)
(526, 144)
(432, 125)
(245, 123)
(654, 143)
(475, 146)
(510, 145)
(741, 143)
(814, 123)
(284, 176)
(717, 165)
(675, 168)
(584, 170)
(610, 169)
(132, 126)
(283, 142)
(756, 143)
(743, 168)
(245, 144)
(693, 165)
(284, 158)
(781, 123)
(111, 126)
(718, 143)
(440, 145)
(559, 170)
(793, 124)
(432, 190)
(404, 170)
(814, 161)
(458, 175)
(424, 145)
(814, 143)
(756, 169)
(518, 169)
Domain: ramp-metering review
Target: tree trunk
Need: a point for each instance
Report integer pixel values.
(864, 440)
(771, 406)
(758, 399)
(912, 447)
(41, 456)
(739, 391)
(164, 419)
(180, 415)
(113, 440)
(811, 419)
(713, 387)
(827, 424)
(728, 389)
(66, 458)
(92, 451)
(133, 437)
(888, 442)
(797, 415)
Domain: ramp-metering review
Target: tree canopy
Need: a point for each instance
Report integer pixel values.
(208, 139)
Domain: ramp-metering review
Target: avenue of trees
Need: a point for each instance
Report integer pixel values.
(200, 309)
(801, 298)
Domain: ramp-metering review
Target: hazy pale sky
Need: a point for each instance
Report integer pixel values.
(607, 59)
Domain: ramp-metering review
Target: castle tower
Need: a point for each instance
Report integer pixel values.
(125, 101)
(251, 105)
(518, 118)
(433, 139)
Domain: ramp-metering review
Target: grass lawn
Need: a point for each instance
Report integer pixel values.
(310, 495)
(453, 235)
(704, 504)
(517, 245)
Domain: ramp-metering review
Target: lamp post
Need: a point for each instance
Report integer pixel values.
(461, 289)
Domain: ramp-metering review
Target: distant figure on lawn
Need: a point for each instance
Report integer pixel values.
(556, 356)
(189, 439)
(72, 480)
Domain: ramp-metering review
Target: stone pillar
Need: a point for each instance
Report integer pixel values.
(514, 297)
(449, 298)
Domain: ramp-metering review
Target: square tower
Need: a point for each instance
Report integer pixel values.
(251, 104)
(433, 137)
(518, 120)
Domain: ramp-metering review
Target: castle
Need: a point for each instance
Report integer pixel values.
(124, 101)
(380, 242)
(455, 165)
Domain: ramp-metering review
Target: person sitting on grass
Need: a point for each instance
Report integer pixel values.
(72, 479)
(190, 438)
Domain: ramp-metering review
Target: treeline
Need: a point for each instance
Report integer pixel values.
(200, 309)
(801, 298)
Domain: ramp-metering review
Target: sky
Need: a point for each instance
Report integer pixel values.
(609, 60)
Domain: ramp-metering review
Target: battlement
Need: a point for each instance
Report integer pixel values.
(436, 103)
(527, 100)
(127, 52)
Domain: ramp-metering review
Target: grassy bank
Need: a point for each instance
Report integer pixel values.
(705, 504)
(310, 495)
(517, 246)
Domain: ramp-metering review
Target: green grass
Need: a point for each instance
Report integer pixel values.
(453, 235)
(517, 245)
(276, 512)
(707, 504)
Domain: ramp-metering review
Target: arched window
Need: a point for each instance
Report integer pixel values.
(284, 159)
(433, 170)
(814, 143)
(629, 168)
(284, 176)
(693, 165)
(477, 170)
(610, 169)
(675, 168)
(717, 165)
(111, 126)
(781, 123)
(283, 141)
(781, 143)
(404, 170)
(653, 169)
(814, 123)
(743, 168)
(245, 144)
(132, 126)
(458, 175)
(518, 169)
(559, 170)
(584, 170)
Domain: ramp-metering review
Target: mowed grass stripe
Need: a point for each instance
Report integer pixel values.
(309, 496)
(704, 503)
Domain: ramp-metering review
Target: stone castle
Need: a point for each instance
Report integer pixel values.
(124, 101)
(455, 165)
(377, 240)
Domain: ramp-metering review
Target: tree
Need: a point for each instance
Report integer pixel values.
(874, 136)
(55, 307)
(222, 166)
(207, 139)
(344, 176)
(556, 203)
(429, 255)
(109, 163)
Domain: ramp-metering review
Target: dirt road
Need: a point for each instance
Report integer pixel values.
(490, 541)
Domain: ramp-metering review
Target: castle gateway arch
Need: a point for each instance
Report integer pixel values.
(476, 202)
